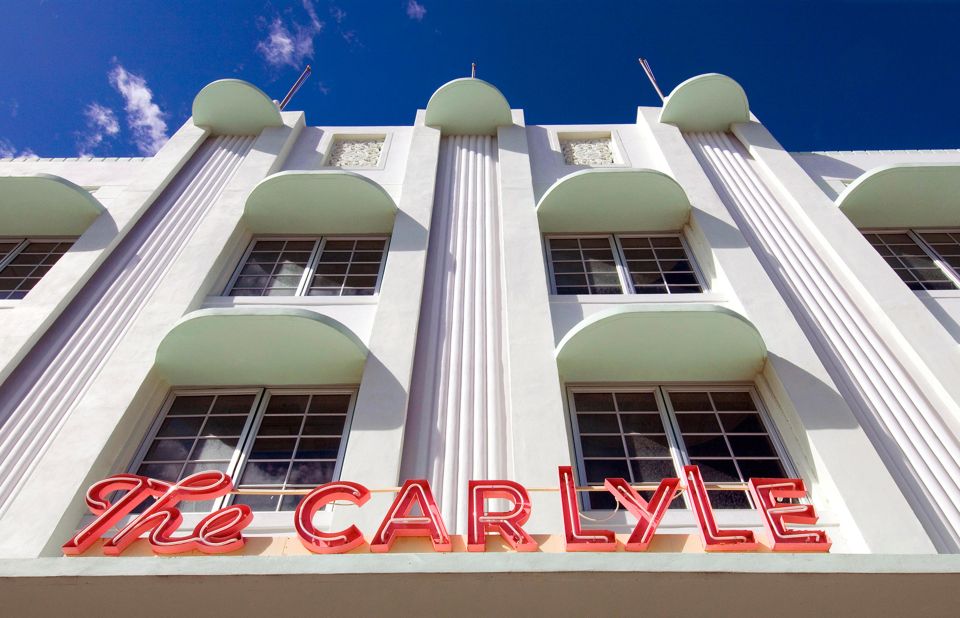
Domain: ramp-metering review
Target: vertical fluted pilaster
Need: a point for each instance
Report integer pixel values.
(457, 418)
(897, 409)
(55, 375)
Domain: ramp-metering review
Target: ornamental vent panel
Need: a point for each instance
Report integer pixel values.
(356, 152)
(588, 151)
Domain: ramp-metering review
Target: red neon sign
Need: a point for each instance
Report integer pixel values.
(508, 524)
(117, 497)
(400, 522)
(219, 532)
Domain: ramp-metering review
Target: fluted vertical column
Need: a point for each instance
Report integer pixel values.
(40, 395)
(903, 414)
(457, 422)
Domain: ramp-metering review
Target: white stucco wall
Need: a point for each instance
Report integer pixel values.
(99, 436)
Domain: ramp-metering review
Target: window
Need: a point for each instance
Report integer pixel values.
(611, 264)
(24, 262)
(262, 438)
(924, 260)
(646, 434)
(328, 266)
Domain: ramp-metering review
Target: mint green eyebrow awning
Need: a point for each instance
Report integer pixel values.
(904, 195)
(468, 106)
(282, 346)
(613, 200)
(710, 102)
(234, 107)
(657, 343)
(320, 202)
(45, 205)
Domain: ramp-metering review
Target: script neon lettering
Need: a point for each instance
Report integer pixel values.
(218, 532)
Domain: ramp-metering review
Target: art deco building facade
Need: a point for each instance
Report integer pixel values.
(472, 297)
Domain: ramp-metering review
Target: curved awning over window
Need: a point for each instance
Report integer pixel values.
(322, 202)
(710, 102)
(234, 107)
(661, 343)
(905, 195)
(468, 106)
(260, 346)
(45, 205)
(613, 200)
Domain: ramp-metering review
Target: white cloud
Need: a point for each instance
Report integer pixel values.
(415, 10)
(144, 117)
(291, 45)
(9, 151)
(101, 122)
(337, 13)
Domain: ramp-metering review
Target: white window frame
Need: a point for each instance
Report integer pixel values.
(319, 242)
(626, 282)
(264, 520)
(672, 428)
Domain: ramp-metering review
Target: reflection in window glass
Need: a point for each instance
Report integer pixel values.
(911, 261)
(593, 265)
(270, 440)
(329, 266)
(632, 435)
(584, 266)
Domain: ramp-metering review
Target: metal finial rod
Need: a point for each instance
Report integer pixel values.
(653, 80)
(296, 86)
(473, 69)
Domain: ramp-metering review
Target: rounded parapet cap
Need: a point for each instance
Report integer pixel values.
(613, 200)
(661, 343)
(44, 204)
(710, 102)
(234, 107)
(319, 202)
(904, 195)
(468, 106)
(281, 346)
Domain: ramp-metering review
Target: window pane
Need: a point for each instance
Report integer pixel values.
(642, 423)
(25, 270)
(663, 268)
(694, 422)
(311, 472)
(297, 444)
(601, 446)
(599, 469)
(598, 423)
(911, 263)
(348, 268)
(584, 266)
(273, 268)
(737, 445)
(594, 402)
(264, 473)
(644, 402)
(647, 445)
(652, 470)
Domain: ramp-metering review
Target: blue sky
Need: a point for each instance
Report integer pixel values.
(115, 78)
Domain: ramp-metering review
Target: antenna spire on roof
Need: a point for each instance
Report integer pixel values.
(473, 69)
(653, 80)
(296, 86)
